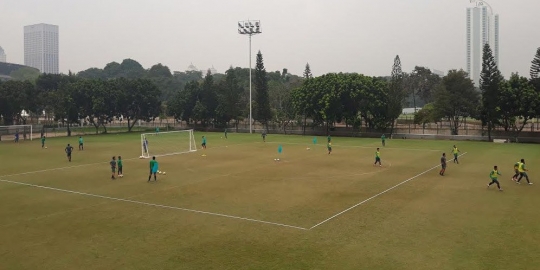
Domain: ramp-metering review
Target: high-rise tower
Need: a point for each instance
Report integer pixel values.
(41, 47)
(482, 28)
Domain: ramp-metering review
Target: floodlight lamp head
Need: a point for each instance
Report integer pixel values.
(257, 23)
(240, 25)
(246, 24)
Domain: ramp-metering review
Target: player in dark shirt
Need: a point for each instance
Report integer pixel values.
(443, 164)
(68, 150)
(113, 166)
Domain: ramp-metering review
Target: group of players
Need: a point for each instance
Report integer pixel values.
(519, 170)
(519, 167)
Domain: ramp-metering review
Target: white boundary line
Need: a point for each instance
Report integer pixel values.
(377, 195)
(96, 163)
(361, 146)
(153, 204)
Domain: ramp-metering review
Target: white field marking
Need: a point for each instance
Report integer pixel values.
(362, 146)
(88, 164)
(153, 204)
(342, 174)
(377, 195)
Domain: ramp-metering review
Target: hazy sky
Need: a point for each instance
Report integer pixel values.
(339, 35)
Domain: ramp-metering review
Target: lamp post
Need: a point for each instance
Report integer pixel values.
(249, 28)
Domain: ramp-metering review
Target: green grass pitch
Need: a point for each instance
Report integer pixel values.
(236, 208)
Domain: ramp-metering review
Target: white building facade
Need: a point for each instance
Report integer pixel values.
(3, 57)
(482, 28)
(41, 47)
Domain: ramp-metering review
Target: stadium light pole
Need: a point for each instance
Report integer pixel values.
(249, 28)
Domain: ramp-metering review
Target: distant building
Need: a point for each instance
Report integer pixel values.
(437, 72)
(7, 68)
(482, 28)
(192, 67)
(41, 47)
(3, 57)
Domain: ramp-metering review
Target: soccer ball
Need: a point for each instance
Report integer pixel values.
(164, 173)
(45, 147)
(120, 176)
(141, 157)
(159, 172)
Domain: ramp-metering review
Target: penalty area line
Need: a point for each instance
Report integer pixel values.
(153, 204)
(377, 195)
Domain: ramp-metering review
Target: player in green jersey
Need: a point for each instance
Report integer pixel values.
(157, 130)
(494, 175)
(43, 141)
(225, 133)
(383, 139)
(203, 144)
(113, 167)
(81, 143)
(263, 135)
(516, 171)
(120, 165)
(523, 172)
(455, 151)
(154, 166)
(329, 138)
(377, 158)
(329, 146)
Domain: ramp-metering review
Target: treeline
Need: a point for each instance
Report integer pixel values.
(128, 91)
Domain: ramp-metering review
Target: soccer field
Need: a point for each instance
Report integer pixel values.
(237, 208)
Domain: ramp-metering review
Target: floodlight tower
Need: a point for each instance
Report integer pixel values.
(249, 28)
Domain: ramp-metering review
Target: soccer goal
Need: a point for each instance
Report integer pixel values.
(9, 132)
(167, 143)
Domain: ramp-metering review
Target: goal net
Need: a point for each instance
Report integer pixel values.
(167, 143)
(9, 133)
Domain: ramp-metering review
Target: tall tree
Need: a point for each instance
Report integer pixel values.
(208, 97)
(519, 103)
(138, 100)
(307, 72)
(535, 67)
(420, 85)
(229, 98)
(263, 113)
(456, 98)
(490, 81)
(396, 94)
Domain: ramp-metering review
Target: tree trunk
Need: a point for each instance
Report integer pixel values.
(305, 122)
(130, 126)
(489, 131)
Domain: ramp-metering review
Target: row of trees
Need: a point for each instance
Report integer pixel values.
(510, 104)
(130, 92)
(71, 99)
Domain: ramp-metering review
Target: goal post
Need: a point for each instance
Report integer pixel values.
(9, 132)
(167, 143)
